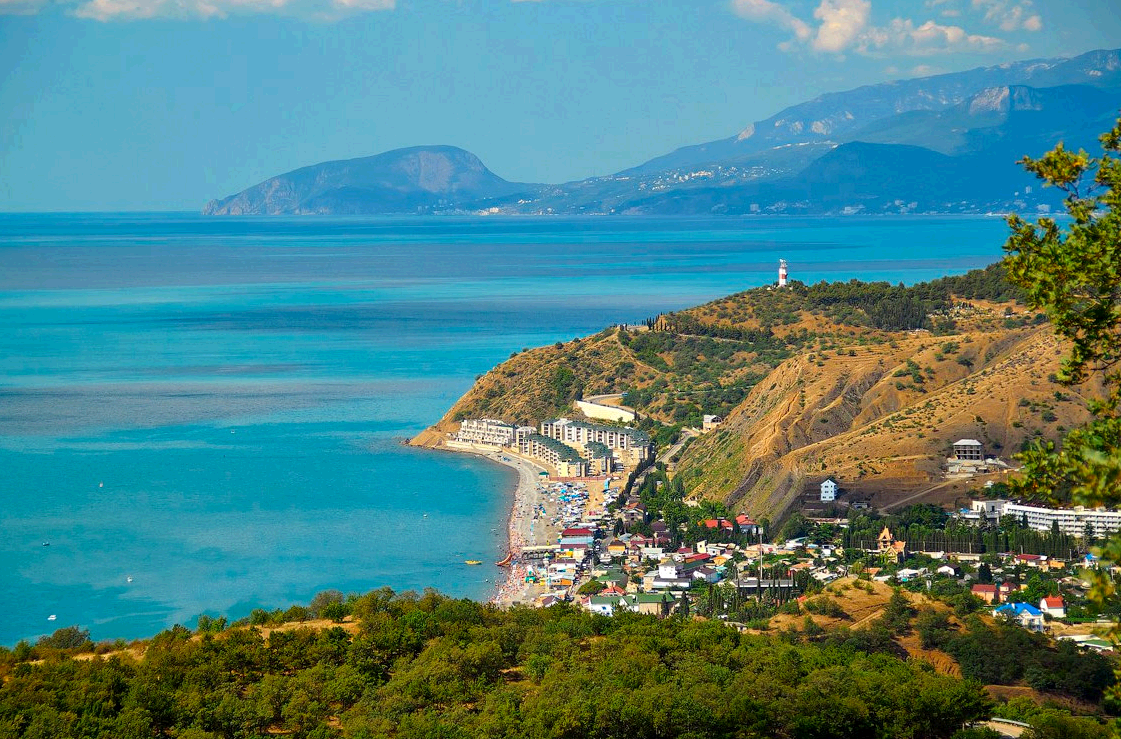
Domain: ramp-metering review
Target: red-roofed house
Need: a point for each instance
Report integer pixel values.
(1053, 606)
(747, 525)
(986, 593)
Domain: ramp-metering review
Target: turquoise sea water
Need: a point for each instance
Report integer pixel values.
(214, 407)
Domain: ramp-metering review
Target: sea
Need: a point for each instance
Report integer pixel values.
(205, 415)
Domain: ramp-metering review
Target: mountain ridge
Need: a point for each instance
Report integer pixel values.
(985, 119)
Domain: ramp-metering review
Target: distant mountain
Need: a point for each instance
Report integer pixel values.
(417, 179)
(834, 116)
(947, 143)
(1017, 115)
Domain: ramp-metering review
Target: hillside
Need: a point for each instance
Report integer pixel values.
(411, 180)
(869, 383)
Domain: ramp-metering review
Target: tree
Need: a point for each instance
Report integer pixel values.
(68, 637)
(1074, 275)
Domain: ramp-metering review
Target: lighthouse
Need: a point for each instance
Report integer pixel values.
(782, 273)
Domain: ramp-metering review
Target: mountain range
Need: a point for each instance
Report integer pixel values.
(946, 143)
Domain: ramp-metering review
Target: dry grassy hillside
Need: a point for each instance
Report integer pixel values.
(813, 381)
(861, 417)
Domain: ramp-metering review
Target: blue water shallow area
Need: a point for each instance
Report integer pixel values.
(214, 407)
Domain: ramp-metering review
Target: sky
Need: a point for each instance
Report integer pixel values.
(166, 104)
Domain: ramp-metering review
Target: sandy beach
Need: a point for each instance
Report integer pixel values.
(522, 528)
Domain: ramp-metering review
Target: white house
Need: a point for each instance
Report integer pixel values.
(1025, 614)
(1053, 606)
(829, 490)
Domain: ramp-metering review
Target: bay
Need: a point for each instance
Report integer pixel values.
(214, 407)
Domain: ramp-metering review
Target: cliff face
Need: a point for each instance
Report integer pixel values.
(808, 391)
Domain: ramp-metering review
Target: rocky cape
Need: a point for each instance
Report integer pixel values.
(866, 382)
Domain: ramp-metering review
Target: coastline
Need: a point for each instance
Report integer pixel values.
(521, 531)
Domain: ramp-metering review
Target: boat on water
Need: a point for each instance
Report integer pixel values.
(472, 561)
(51, 617)
(505, 560)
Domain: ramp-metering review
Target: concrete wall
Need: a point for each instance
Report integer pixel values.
(604, 412)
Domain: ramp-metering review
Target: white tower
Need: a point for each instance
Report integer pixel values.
(782, 273)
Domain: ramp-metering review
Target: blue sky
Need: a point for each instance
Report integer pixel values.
(164, 104)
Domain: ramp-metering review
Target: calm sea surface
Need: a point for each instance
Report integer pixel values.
(214, 407)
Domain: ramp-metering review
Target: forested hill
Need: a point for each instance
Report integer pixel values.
(858, 661)
(803, 374)
(422, 667)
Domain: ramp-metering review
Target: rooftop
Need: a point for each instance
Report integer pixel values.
(563, 451)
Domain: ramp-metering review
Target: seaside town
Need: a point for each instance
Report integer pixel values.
(598, 520)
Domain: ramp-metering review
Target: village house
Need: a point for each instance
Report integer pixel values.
(969, 450)
(633, 512)
(1025, 614)
(987, 593)
(747, 526)
(568, 537)
(1053, 606)
(1031, 560)
(710, 423)
(828, 490)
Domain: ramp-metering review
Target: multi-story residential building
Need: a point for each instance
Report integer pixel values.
(969, 450)
(630, 446)
(1074, 521)
(558, 455)
(486, 431)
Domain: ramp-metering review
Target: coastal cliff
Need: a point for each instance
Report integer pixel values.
(868, 383)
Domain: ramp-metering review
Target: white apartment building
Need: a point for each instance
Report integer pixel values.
(1072, 521)
(486, 431)
(630, 446)
(491, 431)
(558, 455)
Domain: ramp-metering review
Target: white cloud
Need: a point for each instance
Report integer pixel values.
(902, 35)
(1009, 15)
(765, 11)
(843, 25)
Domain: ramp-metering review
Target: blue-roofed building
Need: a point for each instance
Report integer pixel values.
(1024, 614)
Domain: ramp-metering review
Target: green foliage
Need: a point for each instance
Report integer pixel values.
(897, 614)
(68, 637)
(1075, 276)
(429, 666)
(1051, 722)
(1005, 654)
